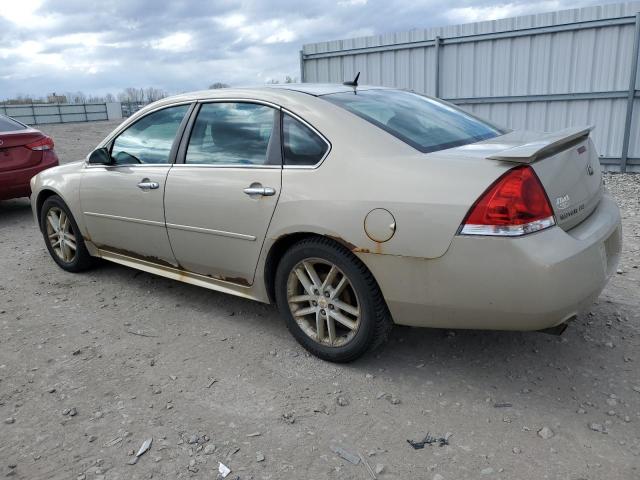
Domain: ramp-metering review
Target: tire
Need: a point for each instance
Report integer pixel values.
(367, 310)
(81, 259)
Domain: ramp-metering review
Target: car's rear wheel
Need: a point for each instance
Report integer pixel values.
(331, 303)
(62, 236)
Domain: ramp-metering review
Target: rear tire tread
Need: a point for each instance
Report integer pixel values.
(383, 322)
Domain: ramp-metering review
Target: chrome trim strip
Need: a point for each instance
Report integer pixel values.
(239, 100)
(220, 233)
(127, 165)
(226, 165)
(125, 219)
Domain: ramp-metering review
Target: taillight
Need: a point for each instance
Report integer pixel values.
(44, 143)
(516, 204)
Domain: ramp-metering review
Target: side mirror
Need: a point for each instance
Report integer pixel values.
(100, 156)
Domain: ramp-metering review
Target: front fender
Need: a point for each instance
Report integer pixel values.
(63, 181)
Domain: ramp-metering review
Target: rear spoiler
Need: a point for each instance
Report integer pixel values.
(545, 145)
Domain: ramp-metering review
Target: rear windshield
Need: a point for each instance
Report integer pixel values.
(9, 125)
(424, 123)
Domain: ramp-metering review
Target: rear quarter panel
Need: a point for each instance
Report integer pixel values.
(366, 169)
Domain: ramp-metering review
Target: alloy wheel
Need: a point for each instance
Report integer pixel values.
(60, 234)
(323, 302)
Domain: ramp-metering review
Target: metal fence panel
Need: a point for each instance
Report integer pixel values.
(36, 114)
(544, 72)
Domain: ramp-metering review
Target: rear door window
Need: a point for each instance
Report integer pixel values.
(424, 123)
(232, 133)
(302, 146)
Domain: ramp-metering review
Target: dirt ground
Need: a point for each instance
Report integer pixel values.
(92, 365)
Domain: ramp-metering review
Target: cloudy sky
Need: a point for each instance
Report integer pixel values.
(100, 46)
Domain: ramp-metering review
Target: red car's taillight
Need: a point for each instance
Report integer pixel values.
(516, 204)
(44, 143)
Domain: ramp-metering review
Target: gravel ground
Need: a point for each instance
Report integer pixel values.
(92, 365)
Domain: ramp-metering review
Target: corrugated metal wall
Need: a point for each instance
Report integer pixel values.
(540, 72)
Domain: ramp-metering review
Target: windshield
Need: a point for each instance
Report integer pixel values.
(424, 123)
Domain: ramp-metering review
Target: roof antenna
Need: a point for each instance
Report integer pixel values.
(353, 83)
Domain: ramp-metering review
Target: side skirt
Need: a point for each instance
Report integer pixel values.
(180, 275)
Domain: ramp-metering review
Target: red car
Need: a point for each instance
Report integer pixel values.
(24, 152)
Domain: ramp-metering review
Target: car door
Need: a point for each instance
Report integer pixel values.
(221, 195)
(122, 203)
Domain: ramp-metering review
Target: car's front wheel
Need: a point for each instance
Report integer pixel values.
(331, 303)
(62, 236)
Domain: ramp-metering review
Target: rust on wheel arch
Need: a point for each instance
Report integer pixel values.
(283, 242)
(342, 241)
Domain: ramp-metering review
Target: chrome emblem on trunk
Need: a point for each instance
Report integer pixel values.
(1, 142)
(563, 202)
(589, 169)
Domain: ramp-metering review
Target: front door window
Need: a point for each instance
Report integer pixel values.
(150, 139)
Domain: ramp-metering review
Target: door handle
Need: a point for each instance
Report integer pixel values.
(257, 189)
(146, 184)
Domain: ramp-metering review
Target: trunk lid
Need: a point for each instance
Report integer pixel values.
(573, 181)
(13, 153)
(566, 163)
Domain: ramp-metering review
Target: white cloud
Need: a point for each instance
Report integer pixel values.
(281, 36)
(232, 21)
(176, 42)
(496, 12)
(20, 12)
(351, 3)
(77, 40)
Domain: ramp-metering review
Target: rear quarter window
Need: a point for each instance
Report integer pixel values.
(301, 145)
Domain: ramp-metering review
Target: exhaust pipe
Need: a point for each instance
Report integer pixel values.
(558, 329)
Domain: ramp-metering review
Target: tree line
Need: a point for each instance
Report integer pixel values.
(130, 94)
(127, 95)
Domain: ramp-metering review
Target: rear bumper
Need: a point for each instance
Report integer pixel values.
(527, 283)
(15, 183)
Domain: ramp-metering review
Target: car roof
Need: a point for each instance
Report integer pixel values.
(314, 89)
(317, 89)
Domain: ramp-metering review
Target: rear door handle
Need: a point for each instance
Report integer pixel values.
(146, 184)
(260, 190)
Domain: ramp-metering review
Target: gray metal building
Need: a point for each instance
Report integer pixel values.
(540, 72)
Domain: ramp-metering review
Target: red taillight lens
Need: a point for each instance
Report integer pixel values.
(44, 143)
(516, 204)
